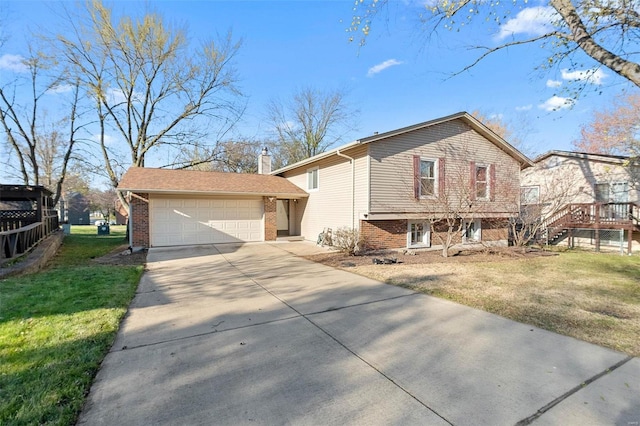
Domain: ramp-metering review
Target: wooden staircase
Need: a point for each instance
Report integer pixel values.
(558, 226)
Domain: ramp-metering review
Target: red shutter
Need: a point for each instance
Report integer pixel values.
(441, 178)
(492, 182)
(472, 180)
(416, 177)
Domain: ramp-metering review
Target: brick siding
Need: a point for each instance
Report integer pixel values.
(495, 229)
(387, 234)
(270, 220)
(439, 233)
(382, 234)
(140, 220)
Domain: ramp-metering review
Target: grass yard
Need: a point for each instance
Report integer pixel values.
(57, 325)
(589, 296)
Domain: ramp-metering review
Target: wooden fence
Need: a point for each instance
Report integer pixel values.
(19, 240)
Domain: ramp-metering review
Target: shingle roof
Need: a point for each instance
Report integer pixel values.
(606, 158)
(143, 179)
(468, 118)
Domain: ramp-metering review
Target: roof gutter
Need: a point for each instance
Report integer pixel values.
(315, 158)
(209, 193)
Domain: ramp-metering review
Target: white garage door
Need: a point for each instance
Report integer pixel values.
(185, 221)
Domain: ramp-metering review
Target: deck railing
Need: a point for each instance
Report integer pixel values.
(16, 242)
(595, 214)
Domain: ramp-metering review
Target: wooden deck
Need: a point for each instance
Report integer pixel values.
(595, 216)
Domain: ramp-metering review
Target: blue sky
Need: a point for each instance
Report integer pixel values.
(395, 80)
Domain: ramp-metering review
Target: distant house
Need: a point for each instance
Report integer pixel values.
(77, 210)
(394, 187)
(590, 198)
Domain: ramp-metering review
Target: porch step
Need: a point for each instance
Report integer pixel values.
(290, 238)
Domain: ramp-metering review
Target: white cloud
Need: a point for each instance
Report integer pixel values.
(117, 96)
(555, 103)
(382, 66)
(553, 83)
(593, 76)
(108, 139)
(61, 88)
(13, 63)
(524, 107)
(532, 21)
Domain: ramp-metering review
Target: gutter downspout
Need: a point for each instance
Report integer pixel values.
(130, 222)
(353, 186)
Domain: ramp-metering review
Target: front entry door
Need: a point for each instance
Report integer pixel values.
(282, 216)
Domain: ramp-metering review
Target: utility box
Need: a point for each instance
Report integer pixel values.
(103, 229)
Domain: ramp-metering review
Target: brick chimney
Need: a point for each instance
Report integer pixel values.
(264, 162)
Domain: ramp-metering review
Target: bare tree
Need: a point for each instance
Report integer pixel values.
(545, 190)
(606, 31)
(148, 84)
(41, 151)
(310, 122)
(514, 131)
(235, 155)
(454, 190)
(103, 201)
(614, 129)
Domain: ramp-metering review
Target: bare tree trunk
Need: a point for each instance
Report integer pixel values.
(582, 37)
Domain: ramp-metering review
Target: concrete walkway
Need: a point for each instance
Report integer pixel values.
(252, 334)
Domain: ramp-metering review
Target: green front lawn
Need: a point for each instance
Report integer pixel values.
(57, 325)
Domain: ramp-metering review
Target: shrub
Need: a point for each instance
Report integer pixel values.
(349, 241)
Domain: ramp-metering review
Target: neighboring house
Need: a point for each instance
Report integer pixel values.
(592, 198)
(184, 207)
(396, 188)
(76, 209)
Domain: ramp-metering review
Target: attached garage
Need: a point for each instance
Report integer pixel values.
(186, 221)
(189, 207)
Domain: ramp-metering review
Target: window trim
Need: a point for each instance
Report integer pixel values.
(477, 225)
(436, 178)
(309, 173)
(529, 187)
(487, 182)
(426, 236)
(613, 194)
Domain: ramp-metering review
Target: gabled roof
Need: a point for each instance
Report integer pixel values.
(464, 116)
(142, 179)
(604, 158)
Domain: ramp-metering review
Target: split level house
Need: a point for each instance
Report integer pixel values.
(585, 199)
(402, 188)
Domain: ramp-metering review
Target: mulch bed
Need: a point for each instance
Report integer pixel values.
(419, 257)
(122, 256)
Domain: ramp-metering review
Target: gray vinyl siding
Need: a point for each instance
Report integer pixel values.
(391, 168)
(330, 206)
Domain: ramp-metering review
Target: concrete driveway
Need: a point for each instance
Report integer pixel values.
(252, 334)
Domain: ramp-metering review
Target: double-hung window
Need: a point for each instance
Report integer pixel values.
(482, 181)
(312, 178)
(427, 178)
